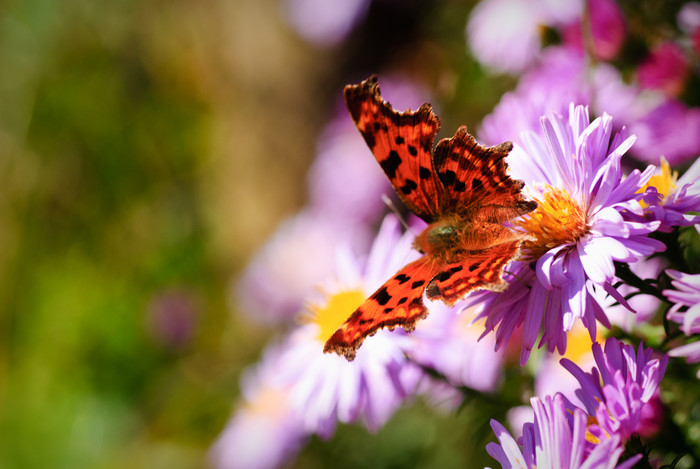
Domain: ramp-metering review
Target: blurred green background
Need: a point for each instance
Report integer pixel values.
(145, 149)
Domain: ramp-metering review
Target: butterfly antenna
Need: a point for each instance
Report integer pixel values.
(393, 208)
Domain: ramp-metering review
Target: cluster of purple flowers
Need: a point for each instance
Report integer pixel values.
(593, 249)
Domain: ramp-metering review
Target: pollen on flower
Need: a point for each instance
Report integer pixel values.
(557, 220)
(665, 182)
(331, 315)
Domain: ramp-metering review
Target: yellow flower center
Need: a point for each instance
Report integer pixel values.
(337, 309)
(557, 220)
(578, 344)
(665, 182)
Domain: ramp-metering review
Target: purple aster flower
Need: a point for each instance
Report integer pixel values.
(298, 256)
(616, 392)
(264, 431)
(325, 388)
(559, 437)
(614, 396)
(504, 34)
(685, 311)
(576, 233)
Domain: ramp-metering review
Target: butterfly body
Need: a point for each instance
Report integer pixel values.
(463, 193)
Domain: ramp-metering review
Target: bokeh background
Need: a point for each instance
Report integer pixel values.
(147, 149)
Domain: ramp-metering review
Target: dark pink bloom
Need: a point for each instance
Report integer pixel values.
(607, 24)
(666, 69)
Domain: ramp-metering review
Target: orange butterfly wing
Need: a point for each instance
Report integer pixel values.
(461, 189)
(399, 302)
(402, 143)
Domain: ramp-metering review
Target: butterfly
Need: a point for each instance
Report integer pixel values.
(460, 189)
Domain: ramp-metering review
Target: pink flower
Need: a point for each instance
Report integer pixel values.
(607, 24)
(666, 69)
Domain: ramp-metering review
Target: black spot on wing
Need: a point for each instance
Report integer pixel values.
(446, 274)
(402, 300)
(412, 150)
(399, 140)
(409, 187)
(424, 173)
(402, 278)
(449, 177)
(391, 164)
(476, 183)
(459, 186)
(369, 139)
(474, 266)
(382, 296)
(417, 284)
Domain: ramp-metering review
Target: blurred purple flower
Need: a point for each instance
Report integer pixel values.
(325, 388)
(448, 343)
(576, 232)
(689, 18)
(557, 438)
(666, 69)
(607, 24)
(617, 390)
(171, 318)
(638, 309)
(323, 23)
(298, 256)
(264, 431)
(551, 377)
(505, 34)
(663, 125)
(685, 311)
(671, 130)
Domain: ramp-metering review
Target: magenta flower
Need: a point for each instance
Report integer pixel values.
(577, 231)
(685, 311)
(264, 430)
(607, 24)
(666, 69)
(616, 392)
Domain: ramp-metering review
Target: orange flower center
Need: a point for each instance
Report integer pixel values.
(557, 220)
